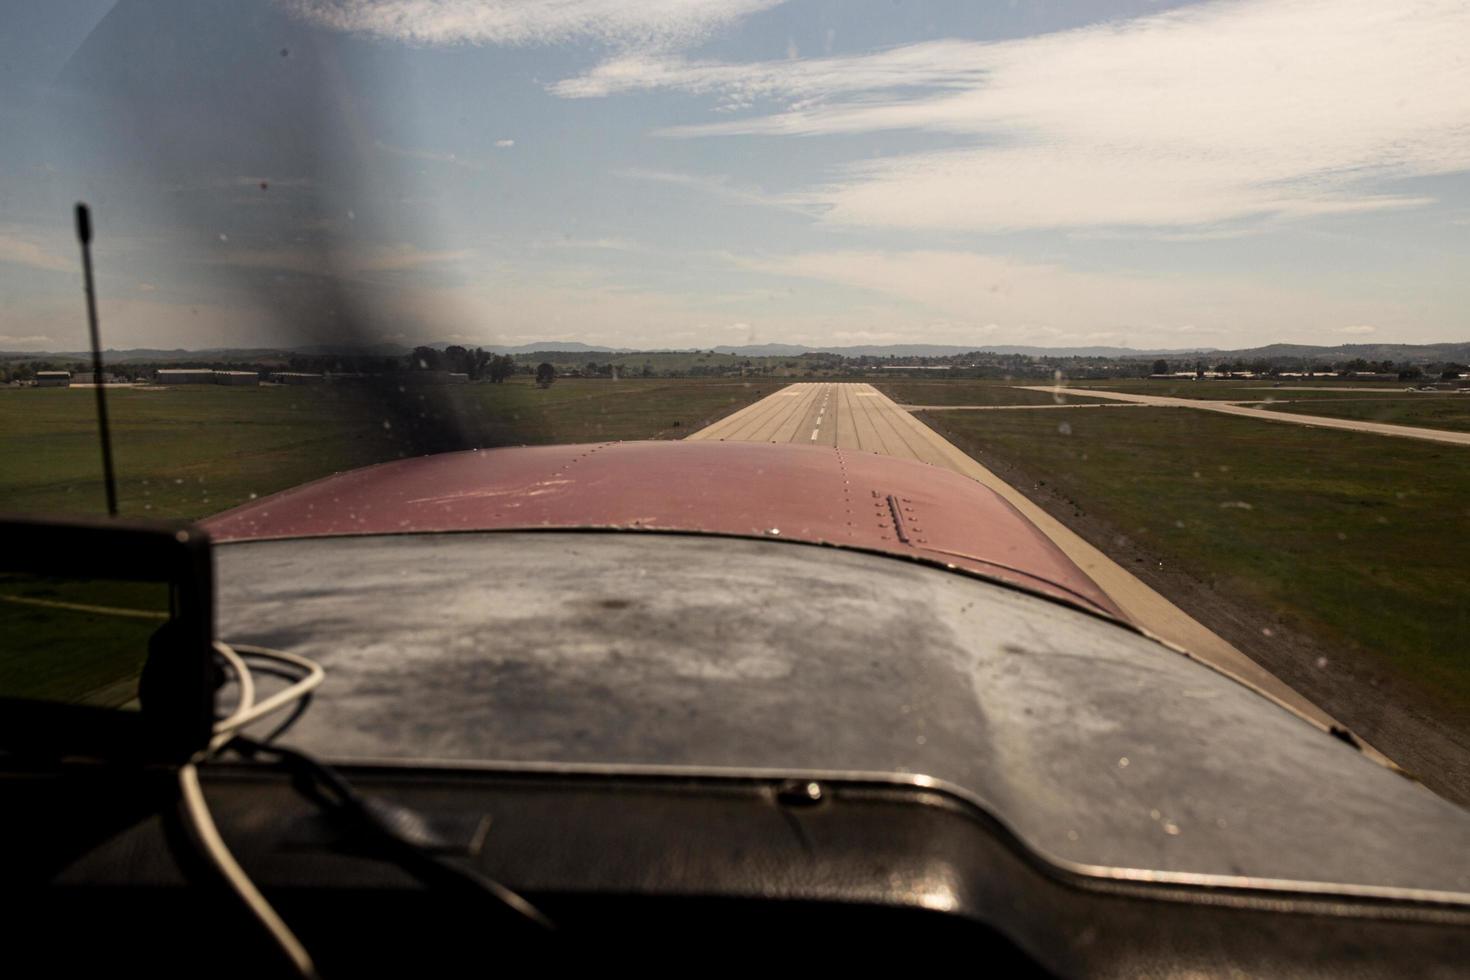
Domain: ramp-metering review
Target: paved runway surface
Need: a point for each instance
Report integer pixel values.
(859, 417)
(1318, 421)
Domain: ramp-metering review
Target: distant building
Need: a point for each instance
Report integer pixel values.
(236, 378)
(184, 376)
(88, 378)
(53, 379)
(296, 378)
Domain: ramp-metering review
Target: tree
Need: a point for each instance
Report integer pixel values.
(456, 359)
(501, 367)
(545, 375)
(426, 359)
(1161, 366)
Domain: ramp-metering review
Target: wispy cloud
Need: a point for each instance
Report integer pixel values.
(352, 260)
(33, 342)
(1361, 329)
(1052, 303)
(1211, 113)
(430, 156)
(717, 186)
(20, 251)
(517, 22)
(612, 244)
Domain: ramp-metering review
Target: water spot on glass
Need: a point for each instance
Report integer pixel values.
(1123, 762)
(1072, 835)
(920, 739)
(1266, 631)
(1064, 429)
(1321, 663)
(1171, 828)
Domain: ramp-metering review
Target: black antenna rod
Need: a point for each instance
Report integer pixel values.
(84, 234)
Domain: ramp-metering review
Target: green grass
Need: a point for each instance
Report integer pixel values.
(1242, 390)
(1429, 411)
(967, 392)
(1354, 539)
(70, 654)
(195, 450)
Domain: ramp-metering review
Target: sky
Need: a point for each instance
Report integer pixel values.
(692, 173)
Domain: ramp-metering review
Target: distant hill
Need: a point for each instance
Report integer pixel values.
(1416, 353)
(949, 350)
(1369, 352)
(557, 347)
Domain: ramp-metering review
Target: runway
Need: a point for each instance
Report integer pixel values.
(859, 417)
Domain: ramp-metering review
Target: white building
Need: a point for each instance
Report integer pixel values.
(53, 379)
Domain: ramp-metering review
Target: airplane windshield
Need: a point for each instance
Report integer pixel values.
(1151, 310)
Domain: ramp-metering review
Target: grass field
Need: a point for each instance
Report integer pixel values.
(196, 450)
(974, 393)
(1429, 411)
(93, 653)
(1243, 390)
(1353, 539)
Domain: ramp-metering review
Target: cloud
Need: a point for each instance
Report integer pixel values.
(716, 186)
(352, 260)
(430, 156)
(1045, 303)
(609, 244)
(517, 22)
(505, 144)
(1360, 329)
(1212, 113)
(19, 251)
(37, 341)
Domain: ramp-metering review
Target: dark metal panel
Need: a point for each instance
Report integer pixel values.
(1101, 748)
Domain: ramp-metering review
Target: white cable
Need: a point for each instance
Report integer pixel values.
(243, 678)
(196, 812)
(196, 809)
(244, 714)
